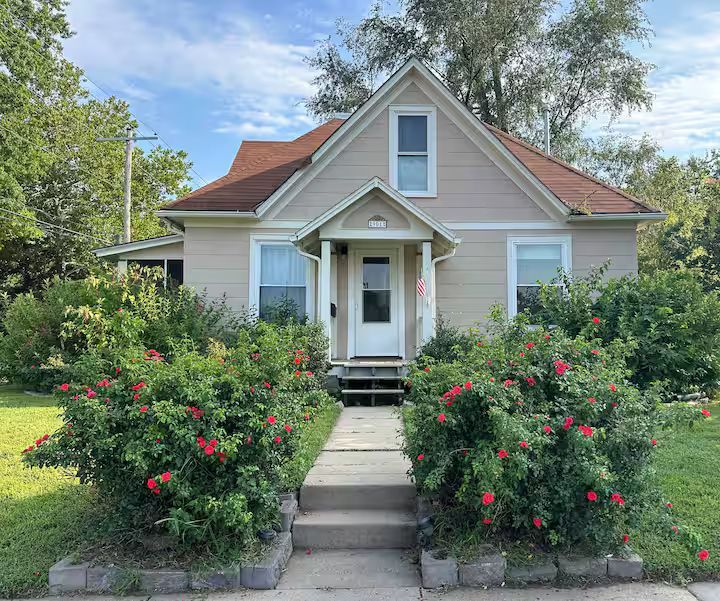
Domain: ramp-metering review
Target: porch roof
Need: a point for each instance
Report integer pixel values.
(446, 237)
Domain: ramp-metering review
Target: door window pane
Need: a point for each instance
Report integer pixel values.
(538, 262)
(413, 173)
(376, 306)
(376, 273)
(412, 133)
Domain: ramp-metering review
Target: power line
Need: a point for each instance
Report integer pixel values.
(52, 225)
(27, 28)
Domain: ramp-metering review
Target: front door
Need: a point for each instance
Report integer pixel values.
(376, 304)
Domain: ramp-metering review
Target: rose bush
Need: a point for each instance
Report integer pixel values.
(195, 444)
(536, 435)
(42, 334)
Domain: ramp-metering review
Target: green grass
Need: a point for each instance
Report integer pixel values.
(310, 444)
(44, 514)
(688, 470)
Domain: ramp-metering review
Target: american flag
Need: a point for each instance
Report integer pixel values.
(421, 286)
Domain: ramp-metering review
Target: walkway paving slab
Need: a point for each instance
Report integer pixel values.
(350, 569)
(705, 591)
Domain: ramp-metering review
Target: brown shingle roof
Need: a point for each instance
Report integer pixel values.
(258, 170)
(581, 192)
(261, 167)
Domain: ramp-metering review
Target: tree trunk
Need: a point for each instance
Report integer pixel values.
(498, 91)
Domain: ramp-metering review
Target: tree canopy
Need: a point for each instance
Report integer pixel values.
(52, 169)
(504, 59)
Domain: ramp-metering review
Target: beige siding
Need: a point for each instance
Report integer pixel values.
(169, 251)
(470, 186)
(476, 278)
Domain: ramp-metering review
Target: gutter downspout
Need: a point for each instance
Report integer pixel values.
(432, 281)
(315, 258)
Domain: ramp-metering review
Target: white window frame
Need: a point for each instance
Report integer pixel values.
(513, 242)
(258, 240)
(431, 113)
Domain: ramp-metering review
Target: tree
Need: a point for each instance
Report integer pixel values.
(504, 59)
(51, 166)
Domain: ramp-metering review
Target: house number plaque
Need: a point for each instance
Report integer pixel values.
(377, 222)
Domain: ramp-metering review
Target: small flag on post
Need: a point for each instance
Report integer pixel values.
(421, 286)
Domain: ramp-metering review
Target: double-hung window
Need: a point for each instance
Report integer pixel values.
(532, 261)
(413, 160)
(281, 274)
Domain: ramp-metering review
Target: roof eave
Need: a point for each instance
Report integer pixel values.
(619, 217)
(117, 249)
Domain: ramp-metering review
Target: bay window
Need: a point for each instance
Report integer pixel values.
(532, 261)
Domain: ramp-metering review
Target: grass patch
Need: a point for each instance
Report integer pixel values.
(310, 444)
(45, 513)
(687, 465)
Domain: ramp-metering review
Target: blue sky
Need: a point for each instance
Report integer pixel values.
(206, 74)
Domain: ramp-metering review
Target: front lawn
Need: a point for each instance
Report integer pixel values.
(688, 468)
(43, 513)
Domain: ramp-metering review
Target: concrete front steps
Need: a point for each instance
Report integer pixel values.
(358, 495)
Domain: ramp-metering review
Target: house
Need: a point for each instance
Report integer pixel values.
(378, 222)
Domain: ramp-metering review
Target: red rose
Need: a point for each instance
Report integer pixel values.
(307, 417)
(309, 374)
(156, 491)
(529, 345)
(502, 453)
(626, 538)
(266, 384)
(288, 428)
(427, 369)
(531, 381)
(209, 450)
(468, 385)
(568, 422)
(705, 412)
(151, 484)
(596, 320)
(441, 418)
(612, 387)
(488, 498)
(537, 522)
(297, 373)
(421, 456)
(591, 495)
(64, 387)
(703, 555)
(143, 409)
(201, 442)
(592, 400)
(136, 397)
(213, 443)
(595, 352)
(653, 442)
(165, 476)
(617, 498)
(277, 440)
(548, 429)
(586, 430)
(523, 444)
(487, 521)
(221, 457)
(271, 420)
(298, 360)
(675, 529)
(91, 394)
(669, 505)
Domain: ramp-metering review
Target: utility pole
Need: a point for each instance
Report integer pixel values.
(129, 138)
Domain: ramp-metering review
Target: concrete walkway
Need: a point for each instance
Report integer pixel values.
(618, 592)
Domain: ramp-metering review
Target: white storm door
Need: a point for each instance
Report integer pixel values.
(376, 304)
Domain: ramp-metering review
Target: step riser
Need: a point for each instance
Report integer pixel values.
(349, 536)
(357, 497)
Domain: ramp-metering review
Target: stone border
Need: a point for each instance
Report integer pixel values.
(490, 569)
(69, 577)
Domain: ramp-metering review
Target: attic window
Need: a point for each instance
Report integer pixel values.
(413, 160)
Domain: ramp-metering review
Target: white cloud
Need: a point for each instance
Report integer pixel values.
(140, 46)
(685, 118)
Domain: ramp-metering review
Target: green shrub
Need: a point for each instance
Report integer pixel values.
(673, 322)
(196, 444)
(448, 343)
(535, 435)
(41, 335)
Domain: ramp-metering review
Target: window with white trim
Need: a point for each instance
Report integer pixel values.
(532, 262)
(282, 279)
(413, 160)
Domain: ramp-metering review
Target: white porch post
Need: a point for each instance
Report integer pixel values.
(426, 303)
(325, 263)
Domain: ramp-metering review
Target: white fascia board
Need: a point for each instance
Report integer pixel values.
(171, 213)
(619, 217)
(118, 249)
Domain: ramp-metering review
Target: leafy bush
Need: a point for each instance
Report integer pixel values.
(535, 435)
(196, 444)
(42, 335)
(673, 322)
(448, 343)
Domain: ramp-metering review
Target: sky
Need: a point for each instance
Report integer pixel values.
(207, 74)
